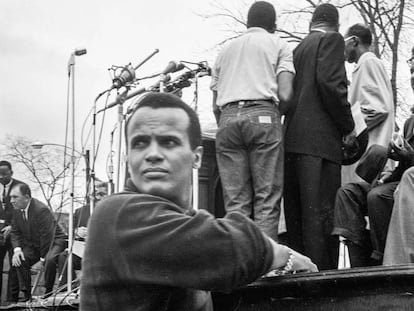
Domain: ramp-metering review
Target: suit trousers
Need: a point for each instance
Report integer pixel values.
(250, 161)
(353, 202)
(310, 186)
(50, 265)
(13, 283)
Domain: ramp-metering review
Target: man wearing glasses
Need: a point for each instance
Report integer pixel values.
(371, 90)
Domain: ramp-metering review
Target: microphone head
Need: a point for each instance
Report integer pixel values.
(178, 66)
(80, 51)
(127, 75)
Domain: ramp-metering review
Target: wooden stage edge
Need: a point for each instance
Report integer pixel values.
(371, 288)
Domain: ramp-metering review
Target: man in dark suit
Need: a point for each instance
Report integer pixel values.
(6, 214)
(36, 238)
(316, 124)
(80, 224)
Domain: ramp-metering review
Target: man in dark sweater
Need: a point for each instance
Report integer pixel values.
(146, 248)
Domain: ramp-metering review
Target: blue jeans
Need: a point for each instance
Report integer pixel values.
(250, 161)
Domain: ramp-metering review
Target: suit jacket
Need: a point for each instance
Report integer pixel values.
(320, 114)
(39, 231)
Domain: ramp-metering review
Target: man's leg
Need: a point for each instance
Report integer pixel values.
(379, 202)
(51, 263)
(263, 136)
(13, 288)
(292, 203)
(349, 221)
(233, 163)
(318, 182)
(23, 272)
(399, 248)
(3, 251)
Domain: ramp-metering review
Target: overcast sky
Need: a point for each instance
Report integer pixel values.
(37, 38)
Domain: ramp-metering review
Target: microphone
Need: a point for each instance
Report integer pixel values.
(127, 75)
(173, 66)
(80, 51)
(128, 72)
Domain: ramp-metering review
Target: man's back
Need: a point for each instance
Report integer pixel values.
(320, 113)
(248, 66)
(144, 253)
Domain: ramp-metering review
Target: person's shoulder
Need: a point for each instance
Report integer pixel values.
(127, 199)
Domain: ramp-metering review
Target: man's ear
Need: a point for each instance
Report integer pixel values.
(197, 157)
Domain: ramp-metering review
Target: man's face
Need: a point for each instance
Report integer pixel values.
(351, 48)
(100, 192)
(159, 153)
(411, 64)
(5, 174)
(18, 200)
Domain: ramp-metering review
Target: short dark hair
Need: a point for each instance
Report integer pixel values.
(6, 163)
(24, 189)
(166, 100)
(261, 14)
(362, 32)
(326, 13)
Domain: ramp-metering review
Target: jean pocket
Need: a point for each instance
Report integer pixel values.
(266, 128)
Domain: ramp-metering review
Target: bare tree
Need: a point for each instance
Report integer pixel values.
(46, 170)
(389, 21)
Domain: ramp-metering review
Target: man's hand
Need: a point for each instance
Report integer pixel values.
(302, 263)
(6, 231)
(18, 257)
(349, 139)
(81, 232)
(401, 153)
(281, 256)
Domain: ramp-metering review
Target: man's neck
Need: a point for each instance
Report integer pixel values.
(322, 26)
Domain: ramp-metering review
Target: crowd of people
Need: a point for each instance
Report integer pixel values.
(147, 249)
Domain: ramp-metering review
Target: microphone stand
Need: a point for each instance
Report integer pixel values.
(71, 73)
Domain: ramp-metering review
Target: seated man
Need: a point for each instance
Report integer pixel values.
(80, 223)
(356, 200)
(146, 248)
(36, 238)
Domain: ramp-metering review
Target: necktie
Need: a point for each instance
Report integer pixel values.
(24, 215)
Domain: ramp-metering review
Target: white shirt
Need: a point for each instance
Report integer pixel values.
(248, 66)
(5, 188)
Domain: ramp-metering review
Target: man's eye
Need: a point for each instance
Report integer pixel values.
(170, 142)
(139, 143)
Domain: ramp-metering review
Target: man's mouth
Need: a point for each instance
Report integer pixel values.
(154, 172)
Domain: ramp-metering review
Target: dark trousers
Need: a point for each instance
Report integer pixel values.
(310, 187)
(63, 267)
(50, 265)
(353, 202)
(13, 283)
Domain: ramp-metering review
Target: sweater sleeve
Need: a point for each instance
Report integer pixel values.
(159, 244)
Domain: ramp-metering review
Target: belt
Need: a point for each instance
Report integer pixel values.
(241, 103)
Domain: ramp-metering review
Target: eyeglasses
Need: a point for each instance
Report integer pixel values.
(350, 38)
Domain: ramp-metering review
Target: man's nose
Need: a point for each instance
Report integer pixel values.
(154, 153)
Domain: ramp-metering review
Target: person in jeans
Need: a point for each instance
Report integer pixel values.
(251, 83)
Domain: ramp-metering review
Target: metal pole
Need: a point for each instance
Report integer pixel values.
(72, 194)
